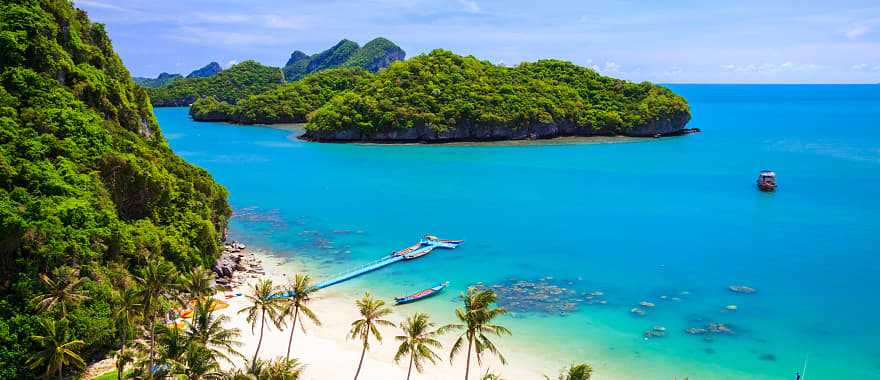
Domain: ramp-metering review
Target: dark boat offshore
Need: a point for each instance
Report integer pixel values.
(422, 294)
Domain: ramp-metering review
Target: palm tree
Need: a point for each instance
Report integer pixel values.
(57, 351)
(417, 342)
(281, 369)
(126, 308)
(300, 291)
(476, 323)
(576, 372)
(156, 280)
(372, 313)
(199, 363)
(197, 283)
(262, 304)
(61, 291)
(207, 329)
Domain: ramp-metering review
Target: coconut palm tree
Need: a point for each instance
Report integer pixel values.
(206, 329)
(197, 284)
(372, 313)
(417, 341)
(57, 350)
(575, 372)
(156, 280)
(261, 306)
(476, 324)
(301, 291)
(281, 369)
(62, 291)
(126, 312)
(199, 363)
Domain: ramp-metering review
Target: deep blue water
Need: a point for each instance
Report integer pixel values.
(636, 220)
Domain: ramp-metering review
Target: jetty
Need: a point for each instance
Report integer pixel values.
(422, 248)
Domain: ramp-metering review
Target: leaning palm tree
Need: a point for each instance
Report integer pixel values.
(206, 329)
(300, 291)
(476, 323)
(57, 350)
(156, 280)
(575, 372)
(62, 291)
(372, 313)
(417, 341)
(197, 284)
(262, 304)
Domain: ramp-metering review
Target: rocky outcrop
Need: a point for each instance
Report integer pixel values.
(375, 55)
(235, 265)
(209, 70)
(671, 126)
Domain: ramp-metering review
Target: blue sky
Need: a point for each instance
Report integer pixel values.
(661, 41)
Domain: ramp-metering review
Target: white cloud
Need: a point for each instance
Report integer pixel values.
(230, 63)
(210, 36)
(856, 31)
(611, 67)
(859, 67)
(771, 68)
(470, 6)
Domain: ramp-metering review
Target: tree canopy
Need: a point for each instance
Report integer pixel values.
(230, 85)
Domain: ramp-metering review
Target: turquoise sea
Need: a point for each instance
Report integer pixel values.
(637, 220)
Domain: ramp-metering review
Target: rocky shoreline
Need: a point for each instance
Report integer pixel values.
(236, 265)
(468, 132)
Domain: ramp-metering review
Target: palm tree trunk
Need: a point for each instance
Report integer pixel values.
(59, 373)
(411, 355)
(467, 365)
(152, 350)
(292, 329)
(260, 341)
(119, 359)
(360, 363)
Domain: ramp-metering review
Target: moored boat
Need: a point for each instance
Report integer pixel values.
(422, 294)
(767, 180)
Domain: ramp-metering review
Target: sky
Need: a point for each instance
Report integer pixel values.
(671, 41)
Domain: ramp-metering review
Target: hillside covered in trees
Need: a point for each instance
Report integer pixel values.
(230, 85)
(90, 192)
(375, 55)
(288, 103)
(441, 96)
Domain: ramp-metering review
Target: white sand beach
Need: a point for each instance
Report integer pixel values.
(328, 354)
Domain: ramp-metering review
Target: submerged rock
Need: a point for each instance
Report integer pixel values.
(742, 289)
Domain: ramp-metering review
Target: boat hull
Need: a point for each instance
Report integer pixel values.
(430, 292)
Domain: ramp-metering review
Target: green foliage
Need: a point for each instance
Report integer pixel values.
(441, 92)
(230, 85)
(162, 80)
(288, 103)
(87, 181)
(373, 56)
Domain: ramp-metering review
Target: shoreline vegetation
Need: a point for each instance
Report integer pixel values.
(444, 97)
(308, 337)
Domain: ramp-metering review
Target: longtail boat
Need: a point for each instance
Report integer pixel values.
(422, 294)
(767, 181)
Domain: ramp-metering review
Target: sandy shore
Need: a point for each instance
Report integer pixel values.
(328, 354)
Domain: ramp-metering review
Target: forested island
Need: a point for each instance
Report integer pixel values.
(252, 78)
(441, 96)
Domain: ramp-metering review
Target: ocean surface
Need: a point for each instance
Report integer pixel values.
(670, 221)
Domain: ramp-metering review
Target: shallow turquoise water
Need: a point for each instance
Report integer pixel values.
(635, 220)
